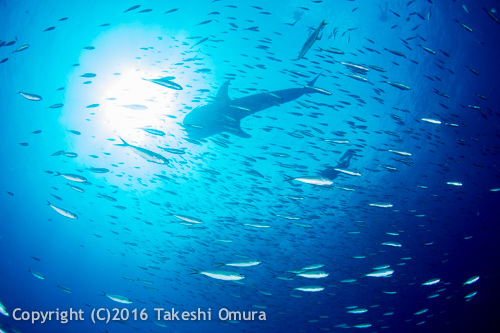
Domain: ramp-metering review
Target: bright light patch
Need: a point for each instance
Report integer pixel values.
(131, 104)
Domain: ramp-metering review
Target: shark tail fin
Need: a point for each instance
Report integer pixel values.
(123, 144)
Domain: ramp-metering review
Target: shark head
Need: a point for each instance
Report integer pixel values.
(203, 121)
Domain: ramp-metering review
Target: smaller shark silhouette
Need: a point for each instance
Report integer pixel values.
(224, 114)
(310, 41)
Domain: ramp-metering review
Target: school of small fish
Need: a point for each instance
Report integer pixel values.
(212, 194)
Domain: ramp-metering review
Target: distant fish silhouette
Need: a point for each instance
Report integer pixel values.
(166, 82)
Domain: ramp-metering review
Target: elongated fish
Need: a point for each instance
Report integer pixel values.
(313, 180)
(117, 298)
(146, 154)
(153, 131)
(472, 280)
(432, 121)
(421, 312)
(132, 8)
(166, 82)
(21, 48)
(470, 295)
(313, 274)
(320, 90)
(347, 172)
(492, 15)
(381, 273)
(72, 177)
(393, 244)
(398, 85)
(31, 97)
(355, 77)
(381, 267)
(381, 204)
(357, 68)
(76, 188)
(431, 282)
(362, 325)
(246, 263)
(199, 42)
(221, 275)
(98, 170)
(310, 289)
(188, 218)
(65, 289)
(63, 211)
(313, 266)
(37, 275)
(398, 152)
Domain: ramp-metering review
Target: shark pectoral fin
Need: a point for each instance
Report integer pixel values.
(242, 134)
(234, 127)
(239, 132)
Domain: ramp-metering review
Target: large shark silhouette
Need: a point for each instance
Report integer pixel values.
(224, 114)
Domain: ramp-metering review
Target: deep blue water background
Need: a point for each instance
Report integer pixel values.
(449, 232)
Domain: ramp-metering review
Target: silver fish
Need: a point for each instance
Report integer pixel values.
(222, 275)
(118, 298)
(31, 97)
(310, 289)
(63, 211)
(21, 48)
(247, 263)
(313, 180)
(72, 177)
(166, 82)
(146, 154)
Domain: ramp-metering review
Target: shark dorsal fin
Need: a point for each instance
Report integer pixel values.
(313, 81)
(222, 94)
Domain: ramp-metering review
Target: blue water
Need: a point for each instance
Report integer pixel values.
(237, 195)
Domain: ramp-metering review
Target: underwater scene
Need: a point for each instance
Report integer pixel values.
(250, 166)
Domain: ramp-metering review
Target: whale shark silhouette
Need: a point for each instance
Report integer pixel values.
(225, 115)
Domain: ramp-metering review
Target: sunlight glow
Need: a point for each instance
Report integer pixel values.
(132, 104)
